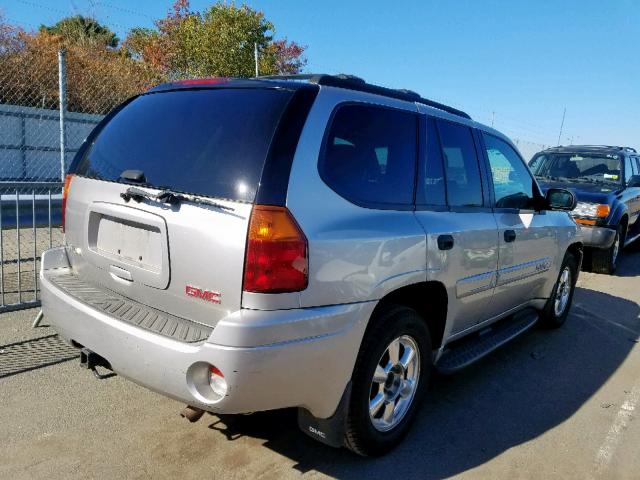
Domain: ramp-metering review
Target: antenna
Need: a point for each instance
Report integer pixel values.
(562, 124)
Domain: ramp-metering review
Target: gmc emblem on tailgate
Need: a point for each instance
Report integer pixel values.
(207, 295)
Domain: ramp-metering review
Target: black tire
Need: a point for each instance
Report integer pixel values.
(388, 324)
(549, 317)
(605, 260)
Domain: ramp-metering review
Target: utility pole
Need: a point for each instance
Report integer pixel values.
(62, 106)
(562, 124)
(493, 118)
(255, 56)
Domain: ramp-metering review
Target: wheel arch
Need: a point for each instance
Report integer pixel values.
(624, 221)
(577, 249)
(620, 215)
(429, 299)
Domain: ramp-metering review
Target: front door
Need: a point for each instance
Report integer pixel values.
(526, 237)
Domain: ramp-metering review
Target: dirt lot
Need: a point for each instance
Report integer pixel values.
(561, 404)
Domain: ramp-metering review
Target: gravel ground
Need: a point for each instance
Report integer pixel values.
(560, 404)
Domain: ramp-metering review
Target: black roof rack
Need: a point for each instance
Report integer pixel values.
(352, 82)
(594, 147)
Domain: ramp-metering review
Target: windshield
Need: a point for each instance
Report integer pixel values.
(578, 167)
(210, 142)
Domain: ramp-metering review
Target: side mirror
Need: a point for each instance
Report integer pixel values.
(634, 181)
(561, 199)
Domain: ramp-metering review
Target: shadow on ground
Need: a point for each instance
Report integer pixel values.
(514, 395)
(629, 262)
(20, 357)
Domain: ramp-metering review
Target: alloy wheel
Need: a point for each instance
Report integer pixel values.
(563, 291)
(394, 383)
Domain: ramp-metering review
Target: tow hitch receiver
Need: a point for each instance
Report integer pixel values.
(91, 360)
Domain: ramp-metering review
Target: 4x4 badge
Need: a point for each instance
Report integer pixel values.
(207, 295)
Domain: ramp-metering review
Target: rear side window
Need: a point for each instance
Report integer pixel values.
(369, 156)
(464, 187)
(210, 142)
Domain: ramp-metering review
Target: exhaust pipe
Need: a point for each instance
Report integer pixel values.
(193, 414)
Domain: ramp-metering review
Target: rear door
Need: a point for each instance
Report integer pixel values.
(452, 206)
(527, 238)
(184, 258)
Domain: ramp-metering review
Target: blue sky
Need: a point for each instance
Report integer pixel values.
(524, 60)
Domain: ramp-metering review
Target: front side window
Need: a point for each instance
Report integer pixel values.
(370, 155)
(464, 187)
(512, 182)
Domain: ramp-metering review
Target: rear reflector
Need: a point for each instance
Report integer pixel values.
(65, 192)
(276, 258)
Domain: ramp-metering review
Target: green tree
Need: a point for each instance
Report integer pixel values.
(217, 42)
(83, 31)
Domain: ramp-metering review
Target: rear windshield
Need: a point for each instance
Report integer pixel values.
(210, 142)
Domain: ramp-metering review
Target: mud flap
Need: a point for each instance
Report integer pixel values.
(329, 431)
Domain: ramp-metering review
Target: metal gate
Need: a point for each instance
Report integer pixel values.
(30, 222)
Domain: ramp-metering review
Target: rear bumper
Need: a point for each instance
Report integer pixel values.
(597, 237)
(270, 359)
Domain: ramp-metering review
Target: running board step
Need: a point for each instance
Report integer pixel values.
(467, 351)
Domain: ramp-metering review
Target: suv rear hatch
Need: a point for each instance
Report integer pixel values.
(207, 145)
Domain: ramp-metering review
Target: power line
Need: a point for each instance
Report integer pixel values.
(65, 13)
(123, 9)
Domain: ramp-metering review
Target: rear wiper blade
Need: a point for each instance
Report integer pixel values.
(169, 196)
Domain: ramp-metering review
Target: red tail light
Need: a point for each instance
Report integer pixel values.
(65, 192)
(276, 259)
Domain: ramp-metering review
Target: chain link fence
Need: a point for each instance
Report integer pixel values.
(49, 102)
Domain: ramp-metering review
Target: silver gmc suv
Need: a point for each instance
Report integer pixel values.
(307, 241)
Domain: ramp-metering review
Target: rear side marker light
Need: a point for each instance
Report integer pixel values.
(65, 193)
(276, 259)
